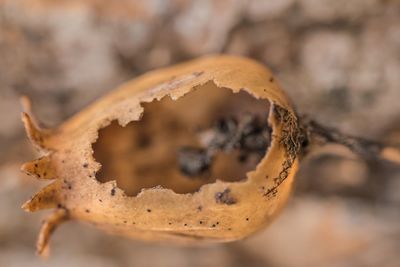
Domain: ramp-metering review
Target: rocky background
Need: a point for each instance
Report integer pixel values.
(339, 60)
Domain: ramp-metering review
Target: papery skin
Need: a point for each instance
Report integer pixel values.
(159, 213)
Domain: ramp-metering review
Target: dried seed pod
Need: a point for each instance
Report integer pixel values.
(121, 163)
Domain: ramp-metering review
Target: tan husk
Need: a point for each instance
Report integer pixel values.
(160, 213)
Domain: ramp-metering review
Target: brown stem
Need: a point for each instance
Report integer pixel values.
(367, 149)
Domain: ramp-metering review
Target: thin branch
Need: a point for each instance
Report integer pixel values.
(366, 149)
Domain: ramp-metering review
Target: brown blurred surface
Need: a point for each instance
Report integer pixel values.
(338, 60)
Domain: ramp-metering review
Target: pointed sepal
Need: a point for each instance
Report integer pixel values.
(40, 168)
(46, 198)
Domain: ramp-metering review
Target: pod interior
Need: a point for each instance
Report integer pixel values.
(148, 153)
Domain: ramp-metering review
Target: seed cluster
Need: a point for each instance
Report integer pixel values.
(249, 135)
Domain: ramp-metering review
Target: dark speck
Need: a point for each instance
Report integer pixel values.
(87, 211)
(113, 192)
(247, 219)
(224, 197)
(85, 165)
(148, 210)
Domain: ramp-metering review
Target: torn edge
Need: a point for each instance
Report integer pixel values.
(293, 139)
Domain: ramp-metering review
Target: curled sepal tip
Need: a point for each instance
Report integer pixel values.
(49, 225)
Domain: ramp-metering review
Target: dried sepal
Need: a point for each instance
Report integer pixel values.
(40, 168)
(37, 135)
(218, 211)
(47, 198)
(49, 224)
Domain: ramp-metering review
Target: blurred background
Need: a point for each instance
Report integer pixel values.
(339, 60)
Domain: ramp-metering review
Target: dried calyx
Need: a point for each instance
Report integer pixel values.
(204, 151)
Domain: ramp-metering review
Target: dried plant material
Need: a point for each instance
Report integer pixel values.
(204, 151)
(366, 149)
(120, 163)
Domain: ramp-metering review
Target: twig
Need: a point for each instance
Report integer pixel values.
(366, 149)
